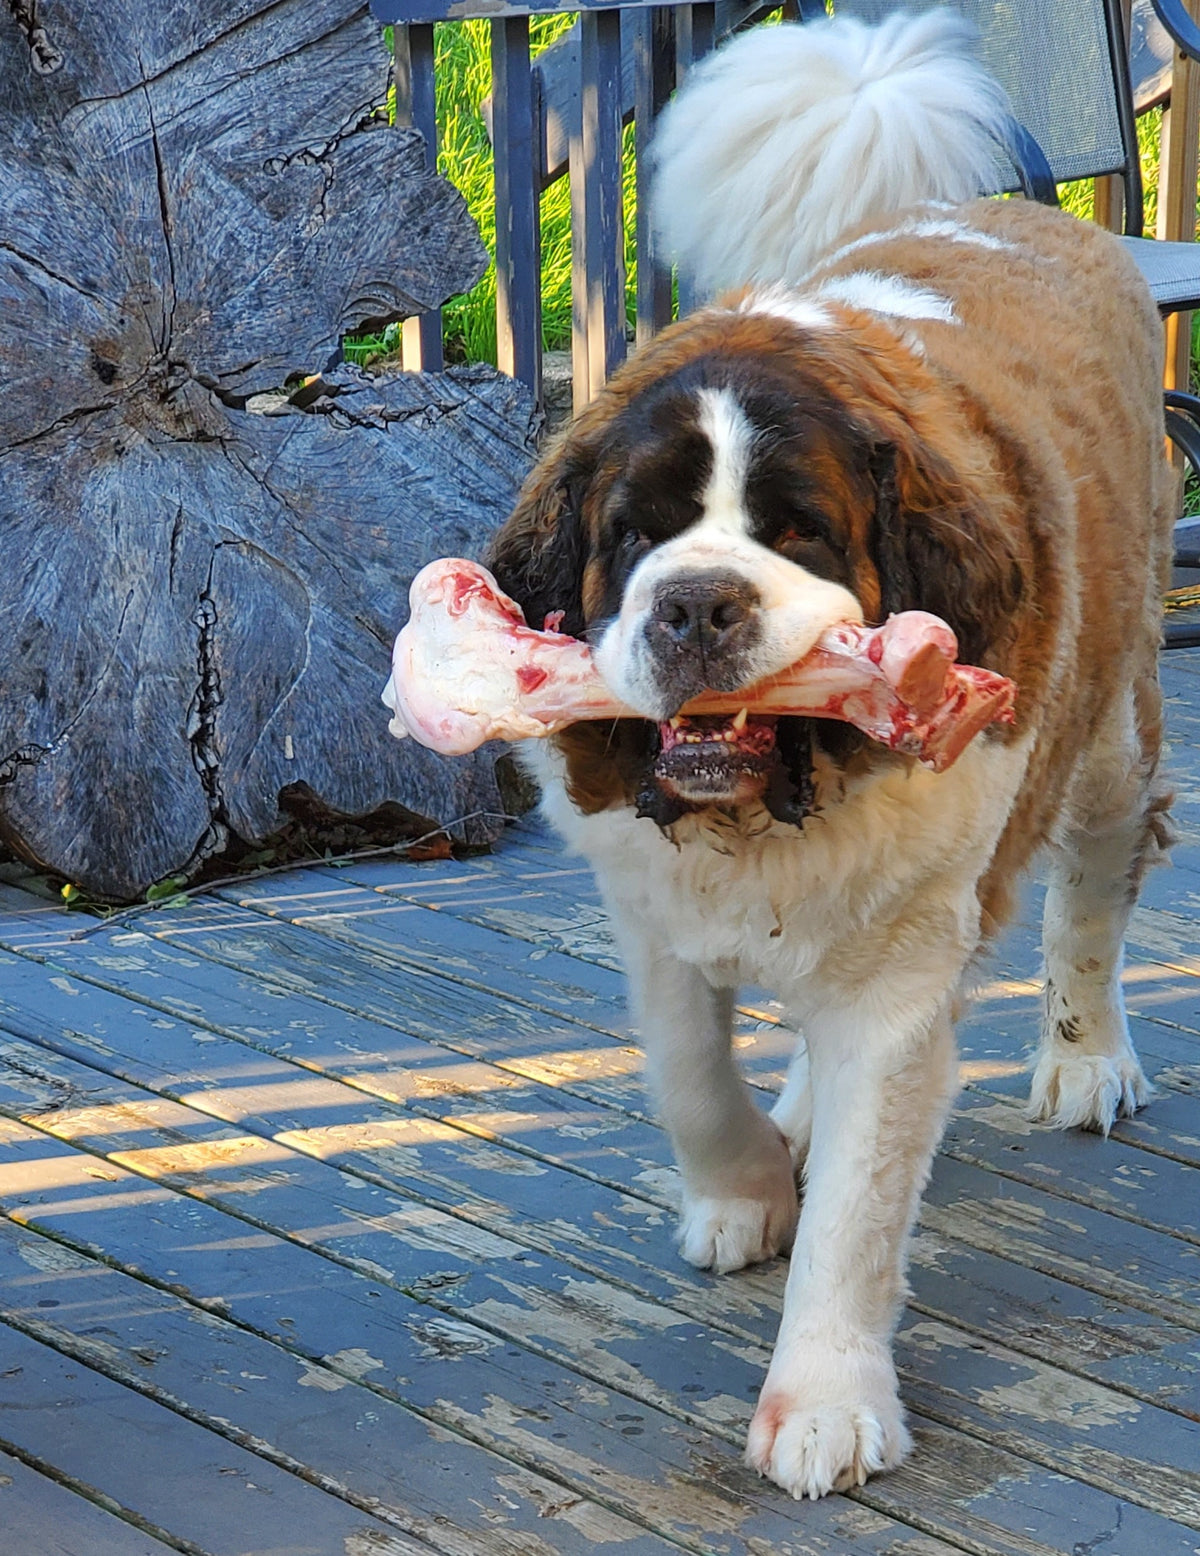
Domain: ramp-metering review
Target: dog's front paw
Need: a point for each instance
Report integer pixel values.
(1087, 1091)
(840, 1422)
(727, 1234)
(746, 1212)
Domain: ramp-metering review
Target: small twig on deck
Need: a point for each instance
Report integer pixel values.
(191, 892)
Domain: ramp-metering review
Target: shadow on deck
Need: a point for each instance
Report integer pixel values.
(334, 1222)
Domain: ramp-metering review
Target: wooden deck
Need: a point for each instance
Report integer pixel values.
(334, 1224)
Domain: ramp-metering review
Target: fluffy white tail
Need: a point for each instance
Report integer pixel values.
(791, 135)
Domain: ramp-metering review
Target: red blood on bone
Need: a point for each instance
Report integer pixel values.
(530, 677)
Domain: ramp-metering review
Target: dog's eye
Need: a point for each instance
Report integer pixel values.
(631, 545)
(794, 535)
(814, 553)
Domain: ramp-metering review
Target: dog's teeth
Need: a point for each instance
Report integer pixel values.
(676, 722)
(739, 722)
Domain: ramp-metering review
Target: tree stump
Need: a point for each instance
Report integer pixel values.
(197, 601)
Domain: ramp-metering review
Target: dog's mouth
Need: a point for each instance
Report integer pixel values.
(717, 760)
(729, 762)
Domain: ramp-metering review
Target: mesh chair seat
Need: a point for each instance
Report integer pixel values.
(1172, 269)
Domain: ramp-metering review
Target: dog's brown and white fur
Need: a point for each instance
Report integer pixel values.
(956, 408)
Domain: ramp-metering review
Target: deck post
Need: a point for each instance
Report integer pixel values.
(653, 41)
(516, 137)
(695, 35)
(416, 105)
(597, 228)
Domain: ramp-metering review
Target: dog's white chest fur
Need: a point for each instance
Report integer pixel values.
(758, 901)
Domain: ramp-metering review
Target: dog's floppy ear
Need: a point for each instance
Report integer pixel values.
(937, 547)
(539, 554)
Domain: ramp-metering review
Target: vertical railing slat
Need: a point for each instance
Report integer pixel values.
(653, 34)
(577, 174)
(416, 105)
(597, 244)
(516, 136)
(696, 31)
(695, 34)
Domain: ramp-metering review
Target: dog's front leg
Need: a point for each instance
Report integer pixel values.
(829, 1413)
(739, 1193)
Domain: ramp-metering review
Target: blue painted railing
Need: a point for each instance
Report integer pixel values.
(549, 118)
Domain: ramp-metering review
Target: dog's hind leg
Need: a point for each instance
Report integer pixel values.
(792, 1112)
(1087, 1072)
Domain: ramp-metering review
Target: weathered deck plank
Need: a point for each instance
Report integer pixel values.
(111, 1114)
(191, 1487)
(449, 1369)
(296, 1410)
(623, 1152)
(43, 1517)
(631, 1148)
(1001, 1487)
(351, 1172)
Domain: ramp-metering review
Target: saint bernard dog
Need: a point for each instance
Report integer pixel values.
(910, 398)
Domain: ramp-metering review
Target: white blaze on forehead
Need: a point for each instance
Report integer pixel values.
(731, 436)
(794, 606)
(890, 296)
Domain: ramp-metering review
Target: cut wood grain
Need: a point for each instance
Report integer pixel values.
(200, 616)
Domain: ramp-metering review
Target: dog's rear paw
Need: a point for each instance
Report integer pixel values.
(1087, 1091)
(811, 1446)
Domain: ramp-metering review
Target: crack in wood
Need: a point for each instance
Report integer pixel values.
(206, 703)
(23, 756)
(44, 57)
(164, 206)
(65, 420)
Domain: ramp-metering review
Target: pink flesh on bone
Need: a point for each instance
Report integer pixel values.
(466, 668)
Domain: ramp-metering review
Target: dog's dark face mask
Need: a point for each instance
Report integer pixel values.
(822, 488)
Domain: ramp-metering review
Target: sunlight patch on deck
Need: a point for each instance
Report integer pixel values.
(989, 1069)
(576, 1064)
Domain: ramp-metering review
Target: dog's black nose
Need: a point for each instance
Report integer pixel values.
(703, 614)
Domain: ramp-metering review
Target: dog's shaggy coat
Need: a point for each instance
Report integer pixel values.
(956, 409)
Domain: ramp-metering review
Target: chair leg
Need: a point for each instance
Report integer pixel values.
(1183, 428)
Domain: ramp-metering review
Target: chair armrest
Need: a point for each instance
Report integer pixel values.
(1180, 26)
(1029, 161)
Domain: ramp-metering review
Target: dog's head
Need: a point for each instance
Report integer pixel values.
(739, 488)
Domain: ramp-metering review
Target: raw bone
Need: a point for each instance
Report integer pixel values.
(466, 669)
